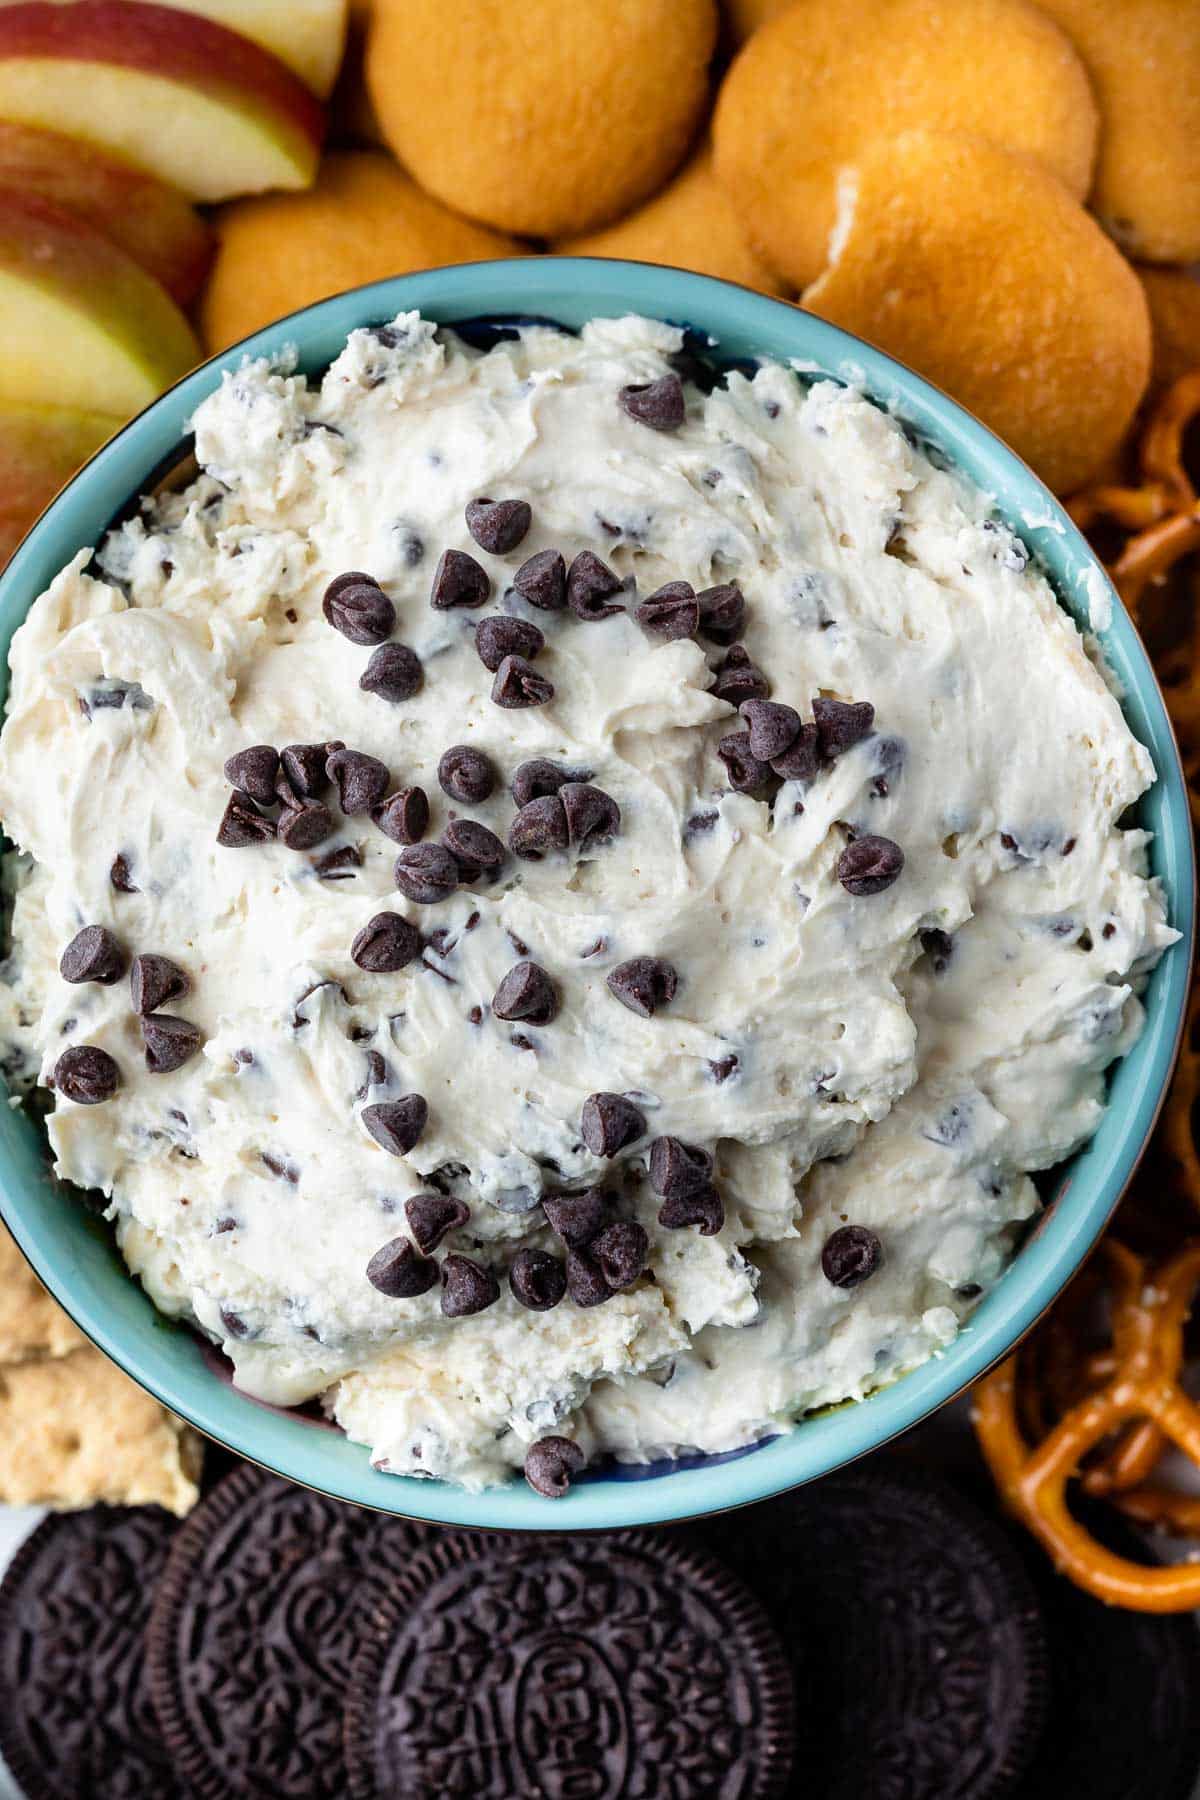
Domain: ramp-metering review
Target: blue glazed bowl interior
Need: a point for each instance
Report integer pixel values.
(73, 1251)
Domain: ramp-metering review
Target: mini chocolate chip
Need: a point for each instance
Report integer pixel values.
(550, 1464)
(543, 581)
(741, 681)
(723, 1069)
(773, 727)
(153, 980)
(670, 612)
(704, 1208)
(86, 1075)
(397, 1271)
(677, 1168)
(475, 849)
(849, 1255)
(170, 1042)
(386, 943)
(305, 825)
(394, 673)
(431, 1216)
(609, 1122)
(576, 1218)
(426, 873)
(537, 1279)
(841, 723)
(404, 815)
(498, 525)
(722, 612)
(869, 864)
(518, 684)
(254, 771)
(537, 778)
(541, 825)
(528, 994)
(621, 1251)
(93, 954)
(465, 774)
(593, 817)
(467, 1287)
(590, 587)
(120, 876)
(357, 606)
(304, 767)
(643, 984)
(802, 758)
(459, 581)
(234, 1323)
(745, 772)
(658, 404)
(499, 636)
(396, 1124)
(361, 780)
(585, 1279)
(243, 824)
(938, 947)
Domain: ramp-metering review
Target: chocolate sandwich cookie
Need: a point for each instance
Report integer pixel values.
(913, 1629)
(77, 1720)
(257, 1618)
(608, 1666)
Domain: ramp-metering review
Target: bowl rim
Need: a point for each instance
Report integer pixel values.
(1063, 1236)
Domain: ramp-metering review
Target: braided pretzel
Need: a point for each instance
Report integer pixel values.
(1144, 1387)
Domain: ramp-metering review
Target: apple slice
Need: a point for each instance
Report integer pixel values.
(81, 325)
(40, 448)
(155, 224)
(178, 96)
(307, 35)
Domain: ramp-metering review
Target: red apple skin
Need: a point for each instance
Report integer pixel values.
(151, 222)
(161, 41)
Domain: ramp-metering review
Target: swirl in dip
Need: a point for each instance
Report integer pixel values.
(842, 985)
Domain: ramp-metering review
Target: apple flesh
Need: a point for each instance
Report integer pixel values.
(307, 35)
(41, 447)
(176, 95)
(153, 223)
(81, 324)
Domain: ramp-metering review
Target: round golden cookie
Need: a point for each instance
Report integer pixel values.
(816, 85)
(692, 224)
(1143, 57)
(547, 116)
(980, 271)
(363, 220)
(1173, 296)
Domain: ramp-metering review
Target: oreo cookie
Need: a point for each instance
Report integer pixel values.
(256, 1622)
(77, 1720)
(604, 1667)
(914, 1632)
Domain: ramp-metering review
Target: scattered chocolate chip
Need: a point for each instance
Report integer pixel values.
(670, 612)
(801, 760)
(723, 1069)
(361, 780)
(658, 404)
(518, 684)
(621, 1250)
(576, 1218)
(304, 767)
(394, 673)
(426, 873)
(745, 772)
(93, 954)
(643, 984)
(704, 1208)
(243, 824)
(498, 525)
(869, 864)
(537, 778)
(499, 636)
(304, 826)
(357, 606)
(459, 581)
(939, 948)
(396, 1124)
(541, 825)
(722, 612)
(677, 1168)
(543, 581)
(773, 728)
(86, 1075)
(467, 1287)
(590, 587)
(550, 1464)
(120, 876)
(841, 724)
(699, 825)
(739, 681)
(234, 1323)
(398, 1271)
(849, 1255)
(609, 1122)
(465, 774)
(527, 993)
(338, 864)
(431, 1216)
(519, 1041)
(170, 1042)
(537, 1279)
(254, 771)
(477, 851)
(404, 815)
(386, 943)
(153, 981)
(593, 817)
(585, 1279)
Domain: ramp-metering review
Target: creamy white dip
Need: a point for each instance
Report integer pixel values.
(900, 1061)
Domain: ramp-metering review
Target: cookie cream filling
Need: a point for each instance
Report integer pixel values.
(897, 1055)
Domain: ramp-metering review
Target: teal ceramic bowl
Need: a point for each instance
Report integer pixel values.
(72, 1251)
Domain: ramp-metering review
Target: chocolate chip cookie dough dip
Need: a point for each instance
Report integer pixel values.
(563, 909)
